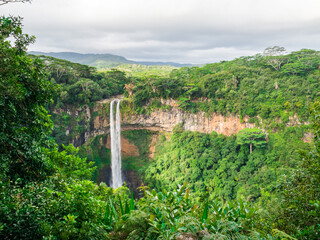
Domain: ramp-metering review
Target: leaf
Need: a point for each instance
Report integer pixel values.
(127, 209)
(132, 202)
(279, 234)
(107, 215)
(205, 212)
(114, 210)
(121, 208)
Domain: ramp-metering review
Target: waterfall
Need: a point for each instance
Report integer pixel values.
(115, 132)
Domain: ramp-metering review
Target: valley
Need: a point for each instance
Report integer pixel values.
(233, 142)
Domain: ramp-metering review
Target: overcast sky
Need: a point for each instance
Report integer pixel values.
(186, 31)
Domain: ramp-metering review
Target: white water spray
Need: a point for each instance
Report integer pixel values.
(115, 132)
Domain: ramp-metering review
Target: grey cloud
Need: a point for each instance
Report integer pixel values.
(181, 30)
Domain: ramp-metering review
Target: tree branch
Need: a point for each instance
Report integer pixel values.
(3, 2)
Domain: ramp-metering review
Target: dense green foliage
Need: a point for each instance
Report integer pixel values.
(97, 152)
(223, 165)
(24, 120)
(78, 87)
(248, 86)
(252, 137)
(39, 185)
(300, 192)
(140, 71)
(46, 193)
(168, 215)
(81, 84)
(50, 206)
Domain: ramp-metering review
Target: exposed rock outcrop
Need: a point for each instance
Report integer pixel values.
(152, 147)
(159, 120)
(127, 148)
(166, 120)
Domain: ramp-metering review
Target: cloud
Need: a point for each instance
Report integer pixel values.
(195, 31)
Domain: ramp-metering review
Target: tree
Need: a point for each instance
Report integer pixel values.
(2, 2)
(300, 191)
(251, 137)
(24, 93)
(301, 62)
(274, 51)
(275, 56)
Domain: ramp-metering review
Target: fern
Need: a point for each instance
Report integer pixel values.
(219, 236)
(282, 235)
(255, 235)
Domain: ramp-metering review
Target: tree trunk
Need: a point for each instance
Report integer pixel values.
(250, 148)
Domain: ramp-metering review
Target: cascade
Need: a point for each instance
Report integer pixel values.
(115, 132)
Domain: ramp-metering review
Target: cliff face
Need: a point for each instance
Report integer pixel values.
(96, 120)
(166, 120)
(127, 147)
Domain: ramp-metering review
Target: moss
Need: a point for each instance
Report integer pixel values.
(95, 150)
(95, 114)
(140, 138)
(251, 120)
(97, 153)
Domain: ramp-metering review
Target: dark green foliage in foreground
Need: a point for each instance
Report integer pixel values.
(73, 209)
(65, 205)
(24, 94)
(222, 164)
(43, 191)
(166, 215)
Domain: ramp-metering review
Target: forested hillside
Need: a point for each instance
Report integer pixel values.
(261, 183)
(268, 89)
(94, 60)
(270, 86)
(259, 87)
(224, 166)
(104, 61)
(81, 84)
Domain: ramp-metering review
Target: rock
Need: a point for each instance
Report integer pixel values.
(166, 120)
(187, 236)
(127, 149)
(160, 120)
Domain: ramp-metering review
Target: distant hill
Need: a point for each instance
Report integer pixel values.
(102, 61)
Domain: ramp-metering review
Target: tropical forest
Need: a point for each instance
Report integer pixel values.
(224, 150)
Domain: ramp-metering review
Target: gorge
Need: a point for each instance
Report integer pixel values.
(96, 121)
(212, 152)
(140, 134)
